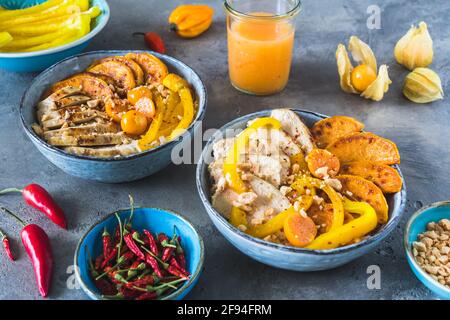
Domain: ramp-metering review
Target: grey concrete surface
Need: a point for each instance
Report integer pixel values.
(421, 132)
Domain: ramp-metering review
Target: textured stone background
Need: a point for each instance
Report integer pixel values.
(421, 132)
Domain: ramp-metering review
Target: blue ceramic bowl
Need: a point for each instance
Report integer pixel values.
(155, 220)
(416, 225)
(39, 60)
(113, 170)
(282, 256)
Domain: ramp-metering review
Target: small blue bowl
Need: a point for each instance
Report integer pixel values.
(282, 256)
(39, 60)
(155, 220)
(416, 225)
(111, 170)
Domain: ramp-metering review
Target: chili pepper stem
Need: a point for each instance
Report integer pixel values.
(112, 268)
(131, 210)
(9, 190)
(12, 214)
(165, 265)
(121, 236)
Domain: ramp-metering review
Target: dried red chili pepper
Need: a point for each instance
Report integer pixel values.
(109, 258)
(173, 262)
(98, 262)
(181, 258)
(37, 246)
(168, 247)
(6, 245)
(145, 281)
(128, 238)
(147, 296)
(37, 197)
(105, 287)
(152, 242)
(154, 264)
(176, 272)
(106, 240)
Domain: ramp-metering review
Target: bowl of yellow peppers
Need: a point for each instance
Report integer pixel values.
(34, 34)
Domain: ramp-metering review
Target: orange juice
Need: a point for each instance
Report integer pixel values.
(260, 54)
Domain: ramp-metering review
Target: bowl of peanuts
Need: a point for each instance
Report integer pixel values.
(427, 245)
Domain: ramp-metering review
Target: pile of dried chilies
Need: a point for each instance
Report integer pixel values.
(138, 266)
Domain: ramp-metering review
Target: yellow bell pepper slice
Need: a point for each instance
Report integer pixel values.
(51, 25)
(68, 7)
(270, 227)
(336, 201)
(230, 165)
(6, 13)
(5, 38)
(365, 223)
(178, 84)
(152, 134)
(238, 217)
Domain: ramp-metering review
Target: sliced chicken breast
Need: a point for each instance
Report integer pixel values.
(294, 127)
(106, 152)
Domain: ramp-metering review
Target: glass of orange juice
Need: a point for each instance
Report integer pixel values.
(260, 43)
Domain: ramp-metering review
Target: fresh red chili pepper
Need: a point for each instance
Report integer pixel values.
(37, 197)
(109, 258)
(6, 245)
(37, 246)
(152, 242)
(176, 264)
(154, 264)
(128, 238)
(176, 272)
(106, 240)
(147, 296)
(153, 41)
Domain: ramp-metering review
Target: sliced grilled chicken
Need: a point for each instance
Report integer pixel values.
(89, 140)
(223, 200)
(106, 152)
(83, 130)
(274, 168)
(75, 118)
(74, 100)
(294, 127)
(49, 103)
(270, 200)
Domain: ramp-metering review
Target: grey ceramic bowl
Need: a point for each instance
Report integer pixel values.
(282, 256)
(113, 170)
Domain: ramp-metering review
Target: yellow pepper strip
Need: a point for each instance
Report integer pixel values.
(277, 223)
(366, 222)
(230, 165)
(338, 208)
(238, 217)
(51, 25)
(299, 159)
(152, 134)
(179, 85)
(270, 227)
(5, 38)
(5, 13)
(69, 7)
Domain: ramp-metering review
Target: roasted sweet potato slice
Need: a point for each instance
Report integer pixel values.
(385, 177)
(154, 69)
(365, 146)
(120, 72)
(361, 189)
(328, 130)
(322, 163)
(90, 84)
(322, 215)
(137, 70)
